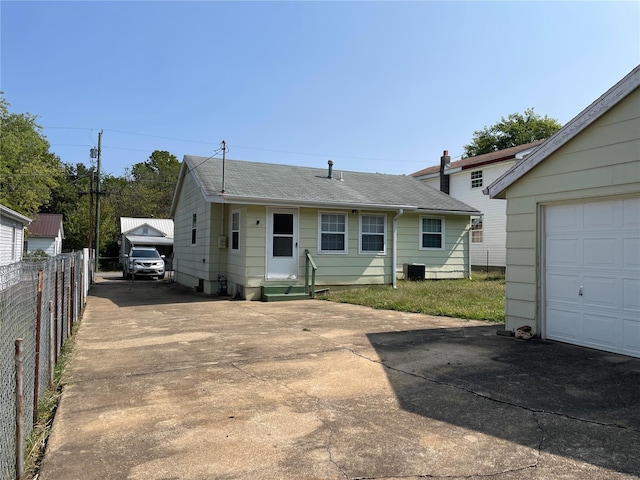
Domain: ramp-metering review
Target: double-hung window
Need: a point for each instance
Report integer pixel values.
(431, 233)
(476, 179)
(476, 230)
(194, 223)
(333, 233)
(235, 230)
(372, 233)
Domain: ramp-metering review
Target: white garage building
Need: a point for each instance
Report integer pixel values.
(573, 228)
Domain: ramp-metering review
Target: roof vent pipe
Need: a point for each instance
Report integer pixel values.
(330, 169)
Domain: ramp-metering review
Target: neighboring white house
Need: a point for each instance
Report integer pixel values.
(45, 233)
(573, 228)
(149, 232)
(255, 224)
(464, 180)
(12, 226)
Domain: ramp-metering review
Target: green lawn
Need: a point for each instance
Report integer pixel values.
(480, 298)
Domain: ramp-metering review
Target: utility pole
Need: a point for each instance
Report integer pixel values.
(97, 153)
(91, 192)
(224, 151)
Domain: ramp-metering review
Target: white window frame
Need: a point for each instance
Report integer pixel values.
(477, 227)
(345, 233)
(233, 230)
(476, 179)
(442, 231)
(384, 235)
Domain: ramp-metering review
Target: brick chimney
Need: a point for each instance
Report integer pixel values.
(445, 161)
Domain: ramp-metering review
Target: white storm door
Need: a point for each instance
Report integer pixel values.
(592, 274)
(282, 244)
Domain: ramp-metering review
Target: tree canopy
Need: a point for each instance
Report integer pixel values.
(28, 170)
(516, 129)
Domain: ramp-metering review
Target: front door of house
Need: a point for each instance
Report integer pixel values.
(282, 244)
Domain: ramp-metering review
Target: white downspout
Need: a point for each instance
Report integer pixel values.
(394, 280)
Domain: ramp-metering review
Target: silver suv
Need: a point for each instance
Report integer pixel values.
(143, 261)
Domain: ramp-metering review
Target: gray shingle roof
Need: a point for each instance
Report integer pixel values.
(264, 182)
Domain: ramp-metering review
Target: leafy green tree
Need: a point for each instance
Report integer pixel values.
(152, 184)
(516, 129)
(28, 170)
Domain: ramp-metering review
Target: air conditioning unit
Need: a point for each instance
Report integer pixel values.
(413, 271)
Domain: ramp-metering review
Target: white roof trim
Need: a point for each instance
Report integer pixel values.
(580, 122)
(13, 215)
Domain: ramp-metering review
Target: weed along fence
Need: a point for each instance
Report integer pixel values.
(39, 302)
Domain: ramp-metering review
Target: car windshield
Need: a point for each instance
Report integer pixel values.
(145, 254)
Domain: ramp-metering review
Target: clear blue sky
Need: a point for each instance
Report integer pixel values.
(375, 86)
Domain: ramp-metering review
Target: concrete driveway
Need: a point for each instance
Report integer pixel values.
(168, 384)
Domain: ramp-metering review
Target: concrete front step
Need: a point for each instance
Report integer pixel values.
(281, 293)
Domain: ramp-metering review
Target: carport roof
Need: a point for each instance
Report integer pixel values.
(147, 240)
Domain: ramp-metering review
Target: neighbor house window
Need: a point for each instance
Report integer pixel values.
(235, 230)
(476, 230)
(431, 233)
(372, 233)
(476, 179)
(333, 233)
(194, 222)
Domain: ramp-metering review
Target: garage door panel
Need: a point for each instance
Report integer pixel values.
(600, 216)
(563, 288)
(602, 331)
(631, 212)
(563, 252)
(631, 294)
(599, 252)
(594, 245)
(566, 325)
(631, 252)
(599, 291)
(564, 218)
(631, 336)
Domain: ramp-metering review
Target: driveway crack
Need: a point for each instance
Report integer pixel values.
(490, 398)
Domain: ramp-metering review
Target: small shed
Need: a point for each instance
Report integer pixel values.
(45, 233)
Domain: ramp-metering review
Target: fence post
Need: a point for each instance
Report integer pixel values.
(62, 290)
(19, 361)
(69, 310)
(52, 344)
(72, 297)
(36, 374)
(55, 298)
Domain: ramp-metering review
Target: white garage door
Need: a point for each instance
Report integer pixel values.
(592, 274)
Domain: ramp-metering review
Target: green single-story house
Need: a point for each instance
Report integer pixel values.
(244, 226)
(573, 228)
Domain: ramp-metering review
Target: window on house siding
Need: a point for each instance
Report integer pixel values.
(476, 230)
(333, 233)
(476, 179)
(194, 222)
(235, 230)
(372, 233)
(431, 233)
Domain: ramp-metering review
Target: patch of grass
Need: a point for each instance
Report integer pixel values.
(479, 298)
(47, 406)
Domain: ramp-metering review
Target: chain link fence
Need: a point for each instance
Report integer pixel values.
(39, 302)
